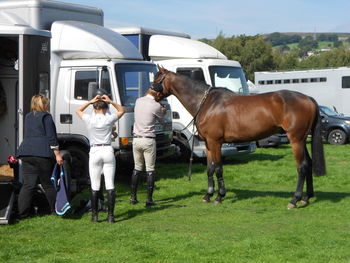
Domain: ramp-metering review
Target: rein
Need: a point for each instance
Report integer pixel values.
(192, 136)
(200, 105)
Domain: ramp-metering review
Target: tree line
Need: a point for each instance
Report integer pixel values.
(257, 53)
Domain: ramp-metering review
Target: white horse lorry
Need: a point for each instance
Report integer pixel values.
(42, 52)
(178, 53)
(329, 87)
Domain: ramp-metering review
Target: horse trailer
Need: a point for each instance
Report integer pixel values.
(329, 87)
(179, 53)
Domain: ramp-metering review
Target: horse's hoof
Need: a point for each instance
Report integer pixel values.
(304, 203)
(205, 201)
(291, 206)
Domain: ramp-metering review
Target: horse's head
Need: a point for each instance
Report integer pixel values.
(159, 84)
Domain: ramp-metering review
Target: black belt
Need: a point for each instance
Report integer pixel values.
(102, 144)
(148, 137)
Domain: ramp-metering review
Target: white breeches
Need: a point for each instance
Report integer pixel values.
(102, 160)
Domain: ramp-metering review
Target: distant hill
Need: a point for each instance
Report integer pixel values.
(311, 34)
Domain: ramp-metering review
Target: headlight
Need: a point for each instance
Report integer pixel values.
(347, 122)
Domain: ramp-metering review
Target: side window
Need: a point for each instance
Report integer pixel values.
(136, 84)
(82, 80)
(44, 84)
(193, 73)
(345, 82)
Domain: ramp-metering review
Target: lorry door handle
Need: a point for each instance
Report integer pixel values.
(66, 118)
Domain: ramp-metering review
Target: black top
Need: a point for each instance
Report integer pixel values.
(39, 135)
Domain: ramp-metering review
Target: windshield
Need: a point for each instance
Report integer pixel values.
(231, 78)
(328, 111)
(133, 81)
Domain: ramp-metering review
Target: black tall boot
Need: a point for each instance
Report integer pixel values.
(94, 206)
(134, 183)
(111, 203)
(150, 187)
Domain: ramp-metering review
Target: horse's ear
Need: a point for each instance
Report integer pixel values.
(161, 69)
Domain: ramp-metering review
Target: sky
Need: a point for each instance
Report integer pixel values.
(207, 18)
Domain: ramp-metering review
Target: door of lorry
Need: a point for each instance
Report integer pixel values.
(80, 88)
(24, 72)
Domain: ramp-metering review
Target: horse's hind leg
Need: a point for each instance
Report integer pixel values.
(309, 180)
(302, 168)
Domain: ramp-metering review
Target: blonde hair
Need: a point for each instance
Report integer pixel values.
(39, 103)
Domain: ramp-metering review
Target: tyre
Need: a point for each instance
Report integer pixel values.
(337, 137)
(183, 149)
(80, 166)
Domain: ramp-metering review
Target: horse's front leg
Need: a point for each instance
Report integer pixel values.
(211, 183)
(214, 165)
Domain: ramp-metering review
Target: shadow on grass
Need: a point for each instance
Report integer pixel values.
(165, 203)
(240, 194)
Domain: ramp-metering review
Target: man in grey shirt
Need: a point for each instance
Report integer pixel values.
(147, 111)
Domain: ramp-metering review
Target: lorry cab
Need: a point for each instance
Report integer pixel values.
(177, 52)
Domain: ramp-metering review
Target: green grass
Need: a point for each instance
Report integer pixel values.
(251, 225)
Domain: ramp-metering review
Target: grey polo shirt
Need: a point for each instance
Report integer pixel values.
(147, 111)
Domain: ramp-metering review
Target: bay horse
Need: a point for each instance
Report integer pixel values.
(223, 116)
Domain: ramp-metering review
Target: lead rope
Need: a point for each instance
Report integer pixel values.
(193, 128)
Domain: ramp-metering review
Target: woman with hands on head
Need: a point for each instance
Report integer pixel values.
(100, 125)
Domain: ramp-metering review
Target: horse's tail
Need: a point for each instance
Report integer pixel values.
(318, 160)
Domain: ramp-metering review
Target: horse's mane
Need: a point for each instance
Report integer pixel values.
(195, 85)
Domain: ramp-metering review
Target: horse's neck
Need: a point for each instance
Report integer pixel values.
(188, 97)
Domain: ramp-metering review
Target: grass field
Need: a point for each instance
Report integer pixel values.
(251, 225)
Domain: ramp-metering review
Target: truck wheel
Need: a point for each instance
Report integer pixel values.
(183, 149)
(80, 166)
(337, 137)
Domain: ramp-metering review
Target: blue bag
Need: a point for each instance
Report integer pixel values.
(62, 204)
(55, 176)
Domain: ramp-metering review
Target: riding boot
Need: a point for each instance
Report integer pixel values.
(134, 184)
(94, 206)
(150, 187)
(111, 203)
